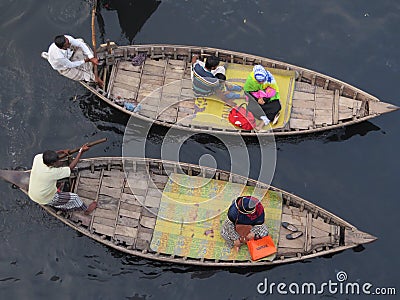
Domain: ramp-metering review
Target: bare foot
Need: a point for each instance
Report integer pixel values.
(260, 126)
(236, 245)
(92, 206)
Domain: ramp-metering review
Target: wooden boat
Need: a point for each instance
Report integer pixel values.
(132, 210)
(311, 101)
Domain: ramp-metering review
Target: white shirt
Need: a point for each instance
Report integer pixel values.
(43, 180)
(60, 59)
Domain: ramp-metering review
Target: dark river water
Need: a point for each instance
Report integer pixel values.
(352, 172)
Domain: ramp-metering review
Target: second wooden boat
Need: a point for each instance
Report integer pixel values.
(172, 212)
(311, 101)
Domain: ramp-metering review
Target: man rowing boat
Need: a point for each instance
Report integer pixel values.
(46, 170)
(72, 58)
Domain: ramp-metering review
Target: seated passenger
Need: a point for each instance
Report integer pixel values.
(262, 91)
(204, 79)
(245, 222)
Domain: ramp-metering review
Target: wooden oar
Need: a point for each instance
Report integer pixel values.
(21, 178)
(62, 155)
(94, 38)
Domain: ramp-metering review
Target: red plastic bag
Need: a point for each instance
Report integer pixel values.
(241, 117)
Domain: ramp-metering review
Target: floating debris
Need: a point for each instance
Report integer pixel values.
(225, 13)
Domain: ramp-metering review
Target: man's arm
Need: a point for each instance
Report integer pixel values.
(77, 43)
(66, 63)
(73, 164)
(86, 50)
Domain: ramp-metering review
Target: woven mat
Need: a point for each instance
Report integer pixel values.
(212, 111)
(192, 211)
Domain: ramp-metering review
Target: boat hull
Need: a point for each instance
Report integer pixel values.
(128, 211)
(314, 102)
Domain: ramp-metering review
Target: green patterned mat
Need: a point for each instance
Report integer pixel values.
(192, 211)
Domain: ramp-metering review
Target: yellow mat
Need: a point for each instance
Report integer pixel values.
(211, 111)
(192, 211)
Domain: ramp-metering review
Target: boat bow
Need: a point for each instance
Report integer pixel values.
(353, 236)
(378, 107)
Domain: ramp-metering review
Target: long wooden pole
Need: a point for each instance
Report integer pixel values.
(94, 37)
(62, 155)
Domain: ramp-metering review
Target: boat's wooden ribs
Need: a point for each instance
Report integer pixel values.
(315, 107)
(105, 215)
(323, 107)
(303, 107)
(335, 108)
(127, 206)
(318, 234)
(172, 91)
(130, 214)
(296, 217)
(125, 81)
(87, 187)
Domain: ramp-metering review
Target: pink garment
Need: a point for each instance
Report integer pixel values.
(268, 93)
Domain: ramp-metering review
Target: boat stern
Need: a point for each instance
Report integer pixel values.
(19, 178)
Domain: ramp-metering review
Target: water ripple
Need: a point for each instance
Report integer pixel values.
(15, 110)
(68, 12)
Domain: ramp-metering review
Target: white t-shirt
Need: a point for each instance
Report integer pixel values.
(59, 59)
(43, 180)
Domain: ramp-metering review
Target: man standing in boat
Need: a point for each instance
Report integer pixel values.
(46, 170)
(72, 58)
